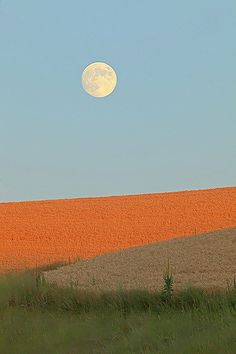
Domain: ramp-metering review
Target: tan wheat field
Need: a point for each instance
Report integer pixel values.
(206, 260)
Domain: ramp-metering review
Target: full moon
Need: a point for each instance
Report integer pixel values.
(99, 79)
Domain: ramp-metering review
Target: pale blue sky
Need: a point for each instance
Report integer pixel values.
(170, 124)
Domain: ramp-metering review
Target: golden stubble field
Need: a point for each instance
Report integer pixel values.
(41, 232)
(206, 261)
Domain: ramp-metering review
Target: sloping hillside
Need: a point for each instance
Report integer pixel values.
(41, 232)
(206, 260)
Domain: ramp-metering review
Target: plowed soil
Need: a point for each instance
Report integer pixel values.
(41, 232)
(205, 261)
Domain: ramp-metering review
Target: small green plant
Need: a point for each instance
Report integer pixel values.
(40, 280)
(167, 290)
(233, 285)
(73, 283)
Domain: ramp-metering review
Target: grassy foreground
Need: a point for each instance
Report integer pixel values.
(37, 318)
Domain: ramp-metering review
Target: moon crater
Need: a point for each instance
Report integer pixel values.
(99, 79)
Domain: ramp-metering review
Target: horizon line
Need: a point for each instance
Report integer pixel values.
(115, 196)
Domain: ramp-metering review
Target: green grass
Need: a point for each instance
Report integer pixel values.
(37, 318)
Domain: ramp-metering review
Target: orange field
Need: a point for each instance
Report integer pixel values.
(42, 232)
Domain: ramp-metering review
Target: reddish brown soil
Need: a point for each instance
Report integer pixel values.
(41, 232)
